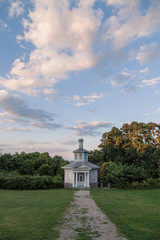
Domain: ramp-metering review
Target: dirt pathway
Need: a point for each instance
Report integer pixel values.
(86, 221)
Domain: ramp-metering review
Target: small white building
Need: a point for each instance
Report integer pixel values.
(80, 173)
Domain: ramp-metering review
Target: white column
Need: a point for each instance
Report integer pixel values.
(73, 179)
(76, 178)
(85, 179)
(88, 179)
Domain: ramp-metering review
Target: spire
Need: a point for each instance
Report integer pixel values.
(81, 143)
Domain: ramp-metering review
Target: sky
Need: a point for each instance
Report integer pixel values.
(73, 69)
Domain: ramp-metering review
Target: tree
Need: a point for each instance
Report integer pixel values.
(96, 157)
(45, 169)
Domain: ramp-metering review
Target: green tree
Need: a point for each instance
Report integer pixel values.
(45, 169)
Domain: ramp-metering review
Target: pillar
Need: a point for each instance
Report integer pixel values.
(76, 178)
(85, 184)
(88, 179)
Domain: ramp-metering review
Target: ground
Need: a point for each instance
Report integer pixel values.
(86, 221)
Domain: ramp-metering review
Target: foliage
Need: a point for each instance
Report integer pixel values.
(96, 157)
(32, 163)
(31, 171)
(129, 154)
(133, 135)
(29, 182)
(145, 184)
(45, 169)
(119, 175)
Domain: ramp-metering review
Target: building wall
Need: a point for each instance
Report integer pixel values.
(68, 176)
(94, 185)
(93, 176)
(67, 185)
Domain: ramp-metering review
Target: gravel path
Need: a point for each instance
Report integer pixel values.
(86, 221)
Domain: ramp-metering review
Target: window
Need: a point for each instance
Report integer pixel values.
(75, 156)
(80, 156)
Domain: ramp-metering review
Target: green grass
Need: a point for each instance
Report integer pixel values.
(136, 213)
(32, 215)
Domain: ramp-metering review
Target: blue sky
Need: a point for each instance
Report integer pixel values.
(73, 69)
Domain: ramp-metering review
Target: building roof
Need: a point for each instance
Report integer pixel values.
(81, 150)
(74, 164)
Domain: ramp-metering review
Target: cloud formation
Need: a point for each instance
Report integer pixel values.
(85, 100)
(64, 35)
(62, 47)
(144, 70)
(16, 110)
(3, 25)
(16, 8)
(148, 53)
(123, 26)
(91, 128)
(152, 81)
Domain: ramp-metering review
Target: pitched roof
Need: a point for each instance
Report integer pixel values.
(81, 150)
(75, 164)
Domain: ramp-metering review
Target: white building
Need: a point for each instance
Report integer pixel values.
(80, 173)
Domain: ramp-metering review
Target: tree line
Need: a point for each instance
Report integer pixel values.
(31, 170)
(129, 155)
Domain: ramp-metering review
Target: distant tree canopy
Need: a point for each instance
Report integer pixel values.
(32, 164)
(136, 135)
(133, 146)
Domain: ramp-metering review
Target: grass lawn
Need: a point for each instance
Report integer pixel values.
(136, 213)
(32, 215)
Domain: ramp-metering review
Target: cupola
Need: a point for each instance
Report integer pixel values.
(81, 154)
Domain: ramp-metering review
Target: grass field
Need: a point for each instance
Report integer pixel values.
(32, 215)
(136, 213)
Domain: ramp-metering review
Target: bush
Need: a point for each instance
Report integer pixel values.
(45, 169)
(146, 184)
(121, 175)
(29, 182)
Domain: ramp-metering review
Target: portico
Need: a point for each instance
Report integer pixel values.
(81, 179)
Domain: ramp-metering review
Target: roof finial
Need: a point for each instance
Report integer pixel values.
(81, 143)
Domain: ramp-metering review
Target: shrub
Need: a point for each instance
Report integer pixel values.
(45, 169)
(146, 184)
(29, 182)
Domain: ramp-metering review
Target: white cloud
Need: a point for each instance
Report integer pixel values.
(148, 53)
(3, 25)
(116, 2)
(129, 23)
(16, 8)
(122, 79)
(144, 70)
(13, 129)
(85, 100)
(149, 113)
(16, 110)
(152, 81)
(90, 129)
(63, 40)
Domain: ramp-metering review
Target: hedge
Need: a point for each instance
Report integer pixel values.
(145, 184)
(29, 182)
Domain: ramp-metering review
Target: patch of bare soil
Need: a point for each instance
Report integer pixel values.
(85, 220)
